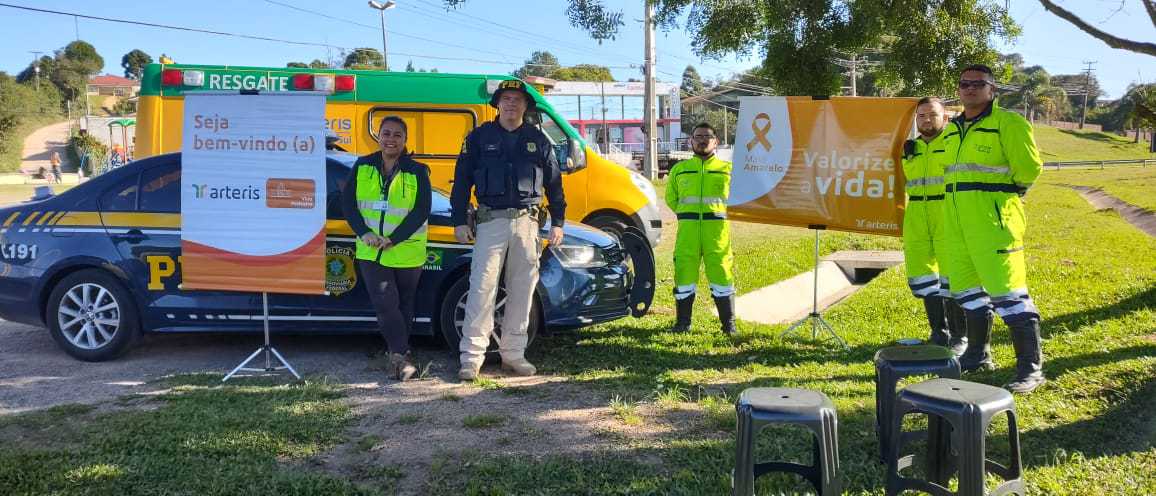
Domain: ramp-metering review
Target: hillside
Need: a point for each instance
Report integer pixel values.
(1058, 145)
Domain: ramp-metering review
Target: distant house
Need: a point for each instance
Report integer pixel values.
(109, 85)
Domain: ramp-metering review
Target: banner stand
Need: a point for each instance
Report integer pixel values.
(267, 348)
(815, 318)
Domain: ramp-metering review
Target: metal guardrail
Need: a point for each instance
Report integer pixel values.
(1144, 162)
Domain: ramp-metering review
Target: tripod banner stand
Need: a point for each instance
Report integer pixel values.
(253, 198)
(818, 324)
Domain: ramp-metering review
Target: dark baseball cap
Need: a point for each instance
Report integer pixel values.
(512, 85)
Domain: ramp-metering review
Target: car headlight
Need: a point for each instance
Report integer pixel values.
(579, 256)
(645, 186)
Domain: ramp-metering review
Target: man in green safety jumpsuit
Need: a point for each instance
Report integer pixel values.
(923, 240)
(993, 161)
(697, 191)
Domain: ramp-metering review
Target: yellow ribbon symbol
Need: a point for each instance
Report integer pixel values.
(760, 132)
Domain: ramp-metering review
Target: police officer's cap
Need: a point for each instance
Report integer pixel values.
(512, 85)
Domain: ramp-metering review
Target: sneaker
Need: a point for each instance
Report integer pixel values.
(519, 366)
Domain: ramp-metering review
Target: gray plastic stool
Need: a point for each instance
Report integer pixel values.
(759, 407)
(893, 364)
(968, 408)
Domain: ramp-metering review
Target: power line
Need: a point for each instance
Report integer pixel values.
(375, 28)
(166, 26)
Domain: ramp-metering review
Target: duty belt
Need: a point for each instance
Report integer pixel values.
(704, 216)
(925, 197)
(486, 214)
(990, 187)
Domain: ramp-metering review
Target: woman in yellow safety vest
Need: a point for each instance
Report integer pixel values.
(386, 201)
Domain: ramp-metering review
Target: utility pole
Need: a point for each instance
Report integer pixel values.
(852, 63)
(381, 8)
(854, 74)
(1087, 89)
(650, 162)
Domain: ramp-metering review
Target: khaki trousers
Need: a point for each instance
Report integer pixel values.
(515, 242)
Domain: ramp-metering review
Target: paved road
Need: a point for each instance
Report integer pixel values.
(39, 145)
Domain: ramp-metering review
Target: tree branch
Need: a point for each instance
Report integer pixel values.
(1110, 40)
(1150, 5)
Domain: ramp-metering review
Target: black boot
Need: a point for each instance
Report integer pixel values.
(1029, 357)
(683, 309)
(956, 327)
(936, 318)
(978, 354)
(726, 313)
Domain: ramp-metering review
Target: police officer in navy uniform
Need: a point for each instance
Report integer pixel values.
(506, 164)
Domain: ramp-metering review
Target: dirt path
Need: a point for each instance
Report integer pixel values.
(39, 145)
(1142, 218)
(409, 426)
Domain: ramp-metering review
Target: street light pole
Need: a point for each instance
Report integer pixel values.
(381, 8)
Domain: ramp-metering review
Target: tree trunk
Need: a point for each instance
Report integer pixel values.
(1137, 140)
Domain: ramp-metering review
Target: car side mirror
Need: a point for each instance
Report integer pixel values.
(575, 159)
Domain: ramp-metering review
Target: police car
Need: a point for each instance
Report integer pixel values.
(100, 263)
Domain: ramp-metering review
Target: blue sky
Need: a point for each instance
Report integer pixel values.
(471, 40)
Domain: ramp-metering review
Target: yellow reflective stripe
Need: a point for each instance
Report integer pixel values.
(971, 167)
(925, 181)
(31, 218)
(85, 219)
(47, 215)
(337, 227)
(58, 217)
(11, 218)
(132, 219)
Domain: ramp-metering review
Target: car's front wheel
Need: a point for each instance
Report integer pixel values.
(92, 316)
(453, 315)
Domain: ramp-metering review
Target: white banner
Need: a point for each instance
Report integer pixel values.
(253, 192)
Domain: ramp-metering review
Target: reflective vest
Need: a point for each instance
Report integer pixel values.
(383, 216)
(698, 189)
(923, 165)
(993, 153)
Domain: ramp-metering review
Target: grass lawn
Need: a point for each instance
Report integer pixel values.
(1090, 430)
(1133, 184)
(16, 193)
(1058, 145)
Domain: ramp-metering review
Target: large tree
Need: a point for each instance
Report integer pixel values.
(69, 68)
(1110, 39)
(929, 40)
(541, 64)
(133, 63)
(583, 72)
(365, 58)
(691, 82)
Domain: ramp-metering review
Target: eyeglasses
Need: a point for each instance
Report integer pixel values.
(974, 84)
(703, 137)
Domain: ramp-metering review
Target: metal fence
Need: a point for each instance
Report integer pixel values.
(1099, 164)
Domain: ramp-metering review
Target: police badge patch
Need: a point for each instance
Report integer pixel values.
(531, 147)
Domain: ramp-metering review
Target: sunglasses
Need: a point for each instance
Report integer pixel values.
(703, 137)
(974, 84)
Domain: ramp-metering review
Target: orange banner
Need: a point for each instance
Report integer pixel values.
(831, 163)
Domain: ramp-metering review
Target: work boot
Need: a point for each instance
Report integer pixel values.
(519, 366)
(934, 306)
(1029, 357)
(978, 354)
(726, 313)
(956, 327)
(401, 367)
(469, 371)
(683, 309)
